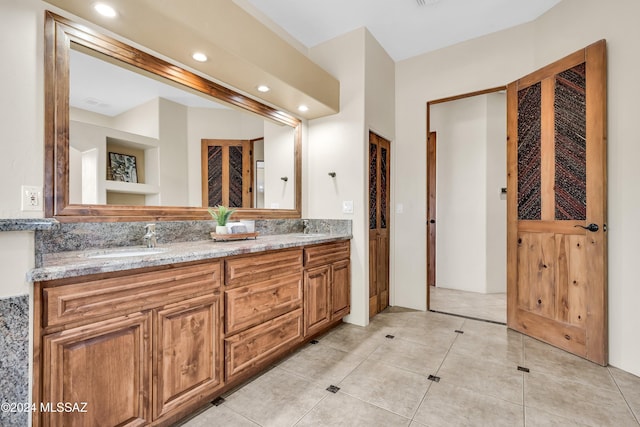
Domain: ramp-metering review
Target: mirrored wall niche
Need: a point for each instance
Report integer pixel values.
(136, 138)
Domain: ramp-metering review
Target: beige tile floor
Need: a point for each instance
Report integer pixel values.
(384, 381)
(491, 307)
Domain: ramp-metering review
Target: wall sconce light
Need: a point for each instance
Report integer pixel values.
(332, 174)
(285, 179)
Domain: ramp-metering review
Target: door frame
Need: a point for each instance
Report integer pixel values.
(431, 184)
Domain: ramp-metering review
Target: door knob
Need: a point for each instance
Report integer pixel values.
(432, 221)
(591, 227)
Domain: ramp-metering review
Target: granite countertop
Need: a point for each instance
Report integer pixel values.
(76, 263)
(27, 224)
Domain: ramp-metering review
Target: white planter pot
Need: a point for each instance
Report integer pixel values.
(222, 229)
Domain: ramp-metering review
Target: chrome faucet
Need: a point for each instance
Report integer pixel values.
(305, 226)
(150, 238)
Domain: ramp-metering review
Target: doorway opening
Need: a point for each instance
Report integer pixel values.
(467, 213)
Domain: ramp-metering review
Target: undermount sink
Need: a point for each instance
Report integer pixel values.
(122, 253)
(310, 235)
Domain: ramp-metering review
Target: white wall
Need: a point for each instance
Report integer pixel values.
(500, 58)
(380, 118)
(143, 119)
(496, 245)
(461, 193)
(21, 121)
(482, 63)
(174, 166)
(279, 162)
(337, 144)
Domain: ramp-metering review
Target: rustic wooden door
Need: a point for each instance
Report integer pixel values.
(226, 173)
(431, 213)
(556, 203)
(379, 201)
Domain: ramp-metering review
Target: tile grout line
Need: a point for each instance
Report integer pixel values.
(309, 411)
(437, 371)
(377, 406)
(633, 414)
(469, 317)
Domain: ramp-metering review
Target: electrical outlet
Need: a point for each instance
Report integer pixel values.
(31, 198)
(347, 206)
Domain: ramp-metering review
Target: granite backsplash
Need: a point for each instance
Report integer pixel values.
(99, 235)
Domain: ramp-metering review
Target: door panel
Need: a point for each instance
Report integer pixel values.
(556, 269)
(379, 216)
(226, 173)
(341, 289)
(431, 212)
(105, 365)
(188, 352)
(317, 313)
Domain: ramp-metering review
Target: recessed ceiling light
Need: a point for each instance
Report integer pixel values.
(263, 88)
(200, 57)
(303, 108)
(105, 10)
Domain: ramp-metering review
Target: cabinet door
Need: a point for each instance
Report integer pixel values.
(340, 289)
(105, 365)
(188, 351)
(316, 299)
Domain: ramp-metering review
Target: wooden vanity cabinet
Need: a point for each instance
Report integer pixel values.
(327, 285)
(138, 348)
(150, 346)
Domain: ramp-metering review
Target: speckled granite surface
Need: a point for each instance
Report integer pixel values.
(14, 357)
(85, 235)
(63, 253)
(82, 236)
(27, 224)
(76, 263)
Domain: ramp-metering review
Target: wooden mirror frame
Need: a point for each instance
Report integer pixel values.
(59, 34)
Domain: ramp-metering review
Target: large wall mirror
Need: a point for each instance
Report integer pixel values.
(132, 137)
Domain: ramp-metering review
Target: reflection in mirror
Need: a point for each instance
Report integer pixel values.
(124, 132)
(118, 115)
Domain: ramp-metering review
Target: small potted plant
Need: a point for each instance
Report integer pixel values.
(221, 215)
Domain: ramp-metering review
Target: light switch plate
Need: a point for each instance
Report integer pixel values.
(347, 206)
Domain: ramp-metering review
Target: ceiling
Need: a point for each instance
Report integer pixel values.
(404, 28)
(105, 88)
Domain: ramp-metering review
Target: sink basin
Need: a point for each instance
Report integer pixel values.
(310, 235)
(122, 253)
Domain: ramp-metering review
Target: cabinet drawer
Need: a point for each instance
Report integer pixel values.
(326, 254)
(88, 299)
(261, 344)
(257, 268)
(253, 304)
